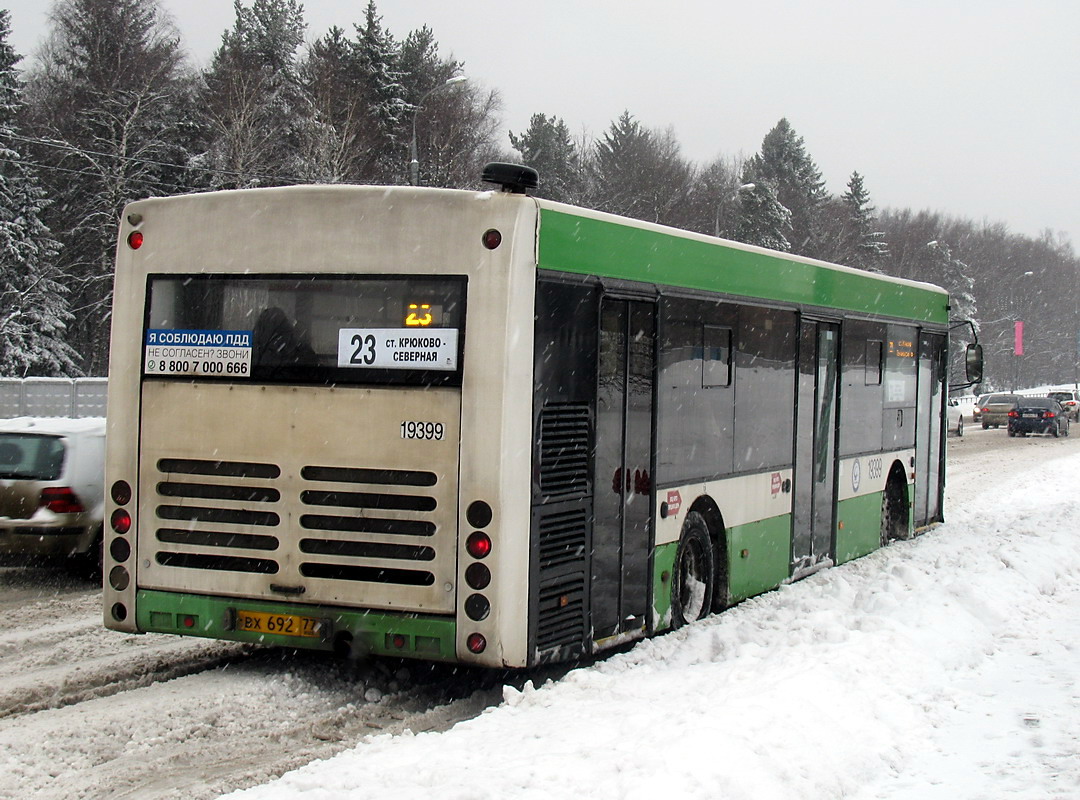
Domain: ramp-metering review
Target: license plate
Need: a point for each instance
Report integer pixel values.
(1031, 416)
(278, 624)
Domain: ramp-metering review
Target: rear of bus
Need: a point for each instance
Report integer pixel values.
(318, 431)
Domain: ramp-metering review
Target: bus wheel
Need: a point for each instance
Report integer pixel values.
(894, 513)
(694, 576)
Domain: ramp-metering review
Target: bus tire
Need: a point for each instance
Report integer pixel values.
(894, 512)
(694, 574)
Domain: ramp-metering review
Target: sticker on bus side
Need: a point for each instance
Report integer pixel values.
(184, 352)
(398, 348)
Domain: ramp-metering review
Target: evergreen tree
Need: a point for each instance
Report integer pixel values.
(33, 303)
(640, 174)
(252, 97)
(111, 102)
(548, 148)
(784, 164)
(762, 219)
(378, 55)
(864, 246)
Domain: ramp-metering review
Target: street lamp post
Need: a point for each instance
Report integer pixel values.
(414, 162)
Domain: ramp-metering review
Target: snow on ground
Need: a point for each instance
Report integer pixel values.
(944, 667)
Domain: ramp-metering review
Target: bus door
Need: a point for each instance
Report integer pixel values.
(814, 512)
(623, 464)
(928, 432)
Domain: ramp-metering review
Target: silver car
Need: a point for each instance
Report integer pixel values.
(52, 494)
(995, 409)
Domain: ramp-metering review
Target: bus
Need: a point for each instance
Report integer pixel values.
(487, 428)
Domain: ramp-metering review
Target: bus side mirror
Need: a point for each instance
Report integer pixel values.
(973, 363)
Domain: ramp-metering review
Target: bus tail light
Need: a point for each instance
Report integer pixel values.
(476, 643)
(478, 544)
(135, 240)
(61, 500)
(120, 521)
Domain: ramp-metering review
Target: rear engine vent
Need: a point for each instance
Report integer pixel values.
(561, 620)
(564, 450)
(223, 469)
(222, 563)
(563, 538)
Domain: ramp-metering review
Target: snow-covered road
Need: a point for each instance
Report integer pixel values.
(944, 667)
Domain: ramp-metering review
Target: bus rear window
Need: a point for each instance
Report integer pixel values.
(290, 329)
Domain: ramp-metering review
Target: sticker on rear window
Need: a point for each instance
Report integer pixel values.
(184, 352)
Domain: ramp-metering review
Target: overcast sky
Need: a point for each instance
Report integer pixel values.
(970, 107)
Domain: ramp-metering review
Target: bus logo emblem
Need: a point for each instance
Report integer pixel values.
(856, 475)
(776, 483)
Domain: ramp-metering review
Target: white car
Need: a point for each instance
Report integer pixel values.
(955, 417)
(52, 489)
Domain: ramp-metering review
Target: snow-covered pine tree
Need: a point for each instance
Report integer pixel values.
(252, 97)
(548, 148)
(33, 303)
(796, 181)
(762, 219)
(862, 241)
(378, 56)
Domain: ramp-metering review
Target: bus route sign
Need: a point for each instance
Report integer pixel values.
(398, 348)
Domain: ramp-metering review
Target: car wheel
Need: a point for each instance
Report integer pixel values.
(1012, 432)
(986, 425)
(960, 427)
(1057, 430)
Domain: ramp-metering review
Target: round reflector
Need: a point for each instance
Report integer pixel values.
(477, 607)
(477, 575)
(479, 514)
(119, 610)
(492, 239)
(121, 493)
(478, 544)
(120, 521)
(476, 643)
(120, 550)
(119, 580)
(135, 240)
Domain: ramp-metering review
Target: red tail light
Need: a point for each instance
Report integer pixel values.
(1011, 413)
(1049, 414)
(61, 500)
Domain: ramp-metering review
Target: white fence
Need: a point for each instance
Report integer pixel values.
(53, 397)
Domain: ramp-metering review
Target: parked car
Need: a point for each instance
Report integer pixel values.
(1070, 401)
(976, 412)
(955, 417)
(995, 409)
(52, 494)
(1038, 415)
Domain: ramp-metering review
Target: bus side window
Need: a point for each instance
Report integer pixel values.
(716, 356)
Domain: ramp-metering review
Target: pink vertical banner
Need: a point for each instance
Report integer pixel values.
(1018, 344)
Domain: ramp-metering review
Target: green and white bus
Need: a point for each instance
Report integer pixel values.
(488, 428)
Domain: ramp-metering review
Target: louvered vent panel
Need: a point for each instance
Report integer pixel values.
(564, 450)
(561, 620)
(562, 539)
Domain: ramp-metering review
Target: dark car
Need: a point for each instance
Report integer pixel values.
(1038, 415)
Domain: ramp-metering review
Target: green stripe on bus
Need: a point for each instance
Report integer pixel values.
(422, 636)
(588, 246)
